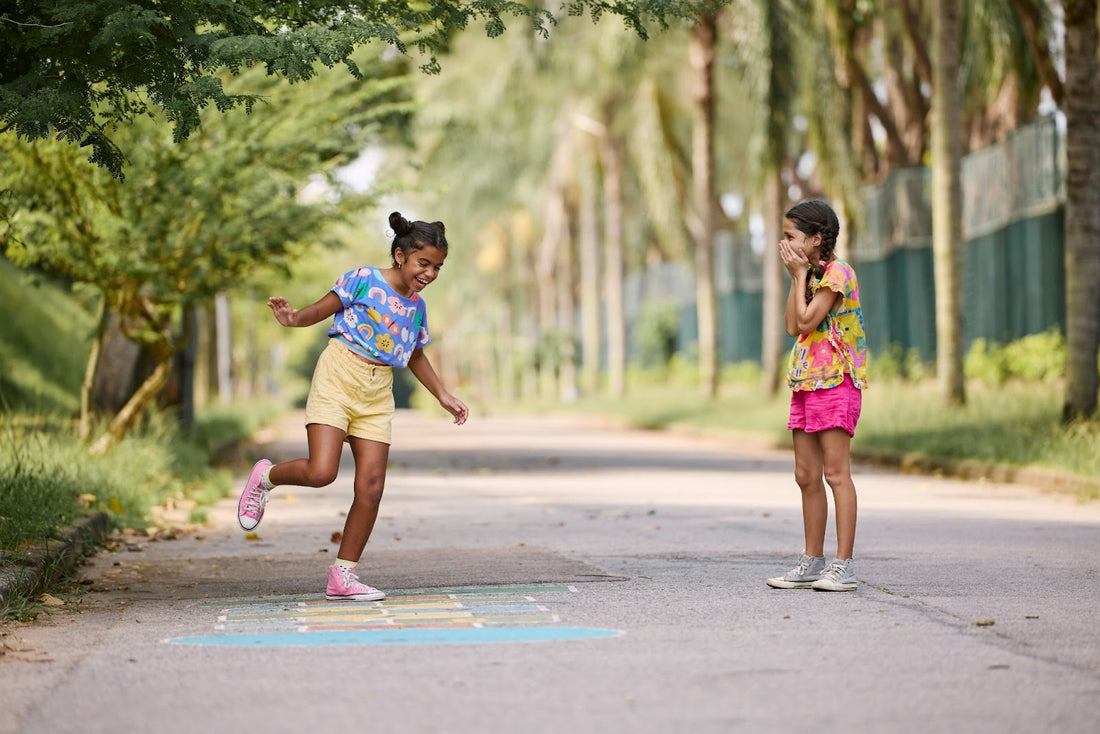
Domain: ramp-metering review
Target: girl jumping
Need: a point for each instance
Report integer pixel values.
(380, 322)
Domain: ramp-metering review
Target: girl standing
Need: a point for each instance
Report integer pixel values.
(826, 374)
(380, 322)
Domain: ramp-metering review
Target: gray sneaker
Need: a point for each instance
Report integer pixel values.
(801, 576)
(839, 576)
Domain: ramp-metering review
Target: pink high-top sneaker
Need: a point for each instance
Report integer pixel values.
(250, 507)
(344, 585)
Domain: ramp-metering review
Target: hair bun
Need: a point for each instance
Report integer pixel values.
(399, 224)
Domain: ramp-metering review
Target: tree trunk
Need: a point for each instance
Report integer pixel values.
(774, 295)
(524, 304)
(87, 408)
(187, 361)
(614, 268)
(567, 306)
(1082, 107)
(947, 202)
(588, 254)
(547, 270)
(120, 365)
(126, 417)
(224, 348)
(545, 284)
(703, 39)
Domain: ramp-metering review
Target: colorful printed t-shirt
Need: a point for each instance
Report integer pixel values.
(838, 346)
(377, 322)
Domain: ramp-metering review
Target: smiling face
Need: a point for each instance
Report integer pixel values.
(808, 245)
(417, 269)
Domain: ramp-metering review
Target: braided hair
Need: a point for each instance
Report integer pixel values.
(816, 217)
(410, 236)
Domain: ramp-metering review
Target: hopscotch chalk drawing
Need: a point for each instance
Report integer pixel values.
(463, 615)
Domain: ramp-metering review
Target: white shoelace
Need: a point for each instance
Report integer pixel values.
(352, 582)
(255, 502)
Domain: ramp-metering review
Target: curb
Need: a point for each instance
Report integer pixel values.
(1047, 480)
(26, 574)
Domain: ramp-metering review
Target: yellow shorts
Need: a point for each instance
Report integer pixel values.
(352, 395)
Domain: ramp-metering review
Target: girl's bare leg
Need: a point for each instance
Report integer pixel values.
(371, 459)
(837, 444)
(808, 463)
(320, 469)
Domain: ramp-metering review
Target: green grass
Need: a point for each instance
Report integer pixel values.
(1018, 424)
(38, 493)
(47, 479)
(1015, 424)
(43, 344)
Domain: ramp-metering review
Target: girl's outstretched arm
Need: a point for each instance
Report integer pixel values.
(424, 372)
(308, 316)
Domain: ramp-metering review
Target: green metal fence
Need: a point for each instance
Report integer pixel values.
(1013, 272)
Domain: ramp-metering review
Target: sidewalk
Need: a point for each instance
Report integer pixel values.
(549, 574)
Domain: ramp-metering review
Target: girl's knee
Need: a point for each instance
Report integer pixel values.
(808, 481)
(318, 475)
(838, 477)
(368, 500)
(370, 490)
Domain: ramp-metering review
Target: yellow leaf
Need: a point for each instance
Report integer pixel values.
(251, 536)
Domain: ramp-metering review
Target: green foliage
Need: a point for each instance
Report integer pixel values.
(657, 333)
(1017, 424)
(896, 362)
(204, 213)
(43, 350)
(48, 480)
(73, 70)
(38, 494)
(1035, 358)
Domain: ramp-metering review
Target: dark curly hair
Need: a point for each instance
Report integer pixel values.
(410, 236)
(816, 217)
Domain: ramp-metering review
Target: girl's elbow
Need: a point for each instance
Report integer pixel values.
(804, 328)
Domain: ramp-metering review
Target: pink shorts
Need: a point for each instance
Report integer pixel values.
(820, 410)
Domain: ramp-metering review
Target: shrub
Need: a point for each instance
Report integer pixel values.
(1035, 357)
(656, 333)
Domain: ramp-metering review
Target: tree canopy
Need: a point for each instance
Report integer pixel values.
(72, 70)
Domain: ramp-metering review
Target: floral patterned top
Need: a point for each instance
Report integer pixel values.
(377, 322)
(838, 346)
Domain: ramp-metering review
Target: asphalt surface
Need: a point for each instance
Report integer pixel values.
(551, 575)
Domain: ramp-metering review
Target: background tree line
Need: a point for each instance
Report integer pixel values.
(565, 159)
(623, 152)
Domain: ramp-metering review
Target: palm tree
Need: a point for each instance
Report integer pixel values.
(1082, 108)
(701, 55)
(947, 201)
(780, 90)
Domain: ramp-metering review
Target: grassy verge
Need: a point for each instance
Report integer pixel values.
(1014, 424)
(48, 481)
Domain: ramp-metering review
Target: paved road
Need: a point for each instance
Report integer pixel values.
(637, 560)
